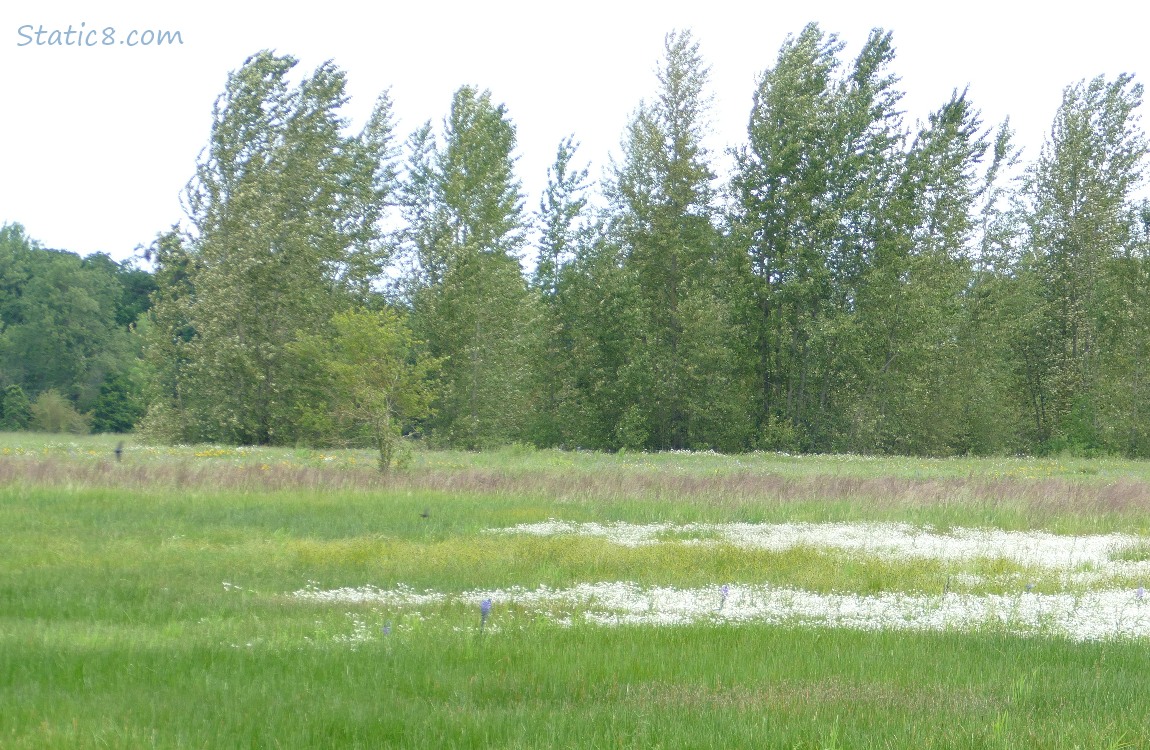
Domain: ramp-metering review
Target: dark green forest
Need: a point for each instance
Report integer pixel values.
(69, 359)
(855, 283)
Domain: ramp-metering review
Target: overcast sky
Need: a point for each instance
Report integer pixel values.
(99, 141)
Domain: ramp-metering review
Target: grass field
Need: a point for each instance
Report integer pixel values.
(215, 597)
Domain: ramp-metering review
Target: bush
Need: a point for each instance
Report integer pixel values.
(51, 412)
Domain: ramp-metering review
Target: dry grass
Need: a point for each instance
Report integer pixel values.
(1038, 498)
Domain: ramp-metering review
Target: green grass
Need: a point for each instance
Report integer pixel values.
(1137, 552)
(146, 603)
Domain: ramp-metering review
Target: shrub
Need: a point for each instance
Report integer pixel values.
(51, 412)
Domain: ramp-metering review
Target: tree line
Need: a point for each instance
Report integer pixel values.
(68, 358)
(857, 283)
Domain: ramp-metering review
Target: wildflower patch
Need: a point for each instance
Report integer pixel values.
(1084, 608)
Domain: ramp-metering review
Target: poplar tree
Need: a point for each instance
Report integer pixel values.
(911, 305)
(564, 233)
(992, 417)
(560, 217)
(597, 309)
(285, 211)
(471, 303)
(785, 220)
(1082, 228)
(681, 374)
(815, 186)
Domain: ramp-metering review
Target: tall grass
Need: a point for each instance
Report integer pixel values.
(147, 603)
(1061, 495)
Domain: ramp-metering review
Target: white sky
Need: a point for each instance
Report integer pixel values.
(97, 143)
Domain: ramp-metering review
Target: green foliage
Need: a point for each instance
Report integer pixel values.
(860, 285)
(592, 307)
(910, 308)
(15, 409)
(561, 211)
(377, 383)
(1085, 334)
(60, 318)
(117, 409)
(794, 187)
(878, 275)
(166, 332)
(286, 212)
(51, 412)
(681, 379)
(470, 300)
(564, 235)
(993, 417)
(135, 286)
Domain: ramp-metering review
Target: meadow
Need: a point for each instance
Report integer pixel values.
(220, 597)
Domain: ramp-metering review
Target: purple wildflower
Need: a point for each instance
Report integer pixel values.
(387, 628)
(484, 611)
(1140, 593)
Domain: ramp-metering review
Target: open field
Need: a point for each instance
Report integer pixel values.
(209, 597)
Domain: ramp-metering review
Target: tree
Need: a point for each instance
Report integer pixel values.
(1125, 393)
(377, 382)
(423, 234)
(563, 234)
(815, 185)
(1081, 222)
(596, 311)
(15, 409)
(785, 219)
(133, 289)
(59, 319)
(560, 213)
(665, 221)
(993, 416)
(285, 210)
(470, 300)
(117, 408)
(166, 332)
(910, 306)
